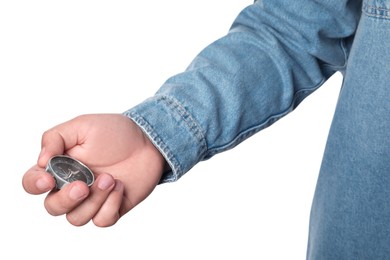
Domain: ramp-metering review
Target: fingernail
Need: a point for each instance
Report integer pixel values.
(105, 182)
(42, 184)
(76, 193)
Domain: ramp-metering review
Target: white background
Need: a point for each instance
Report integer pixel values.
(59, 59)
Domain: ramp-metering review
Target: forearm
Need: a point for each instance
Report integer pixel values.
(275, 54)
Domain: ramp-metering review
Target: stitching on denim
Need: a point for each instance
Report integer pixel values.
(160, 145)
(378, 12)
(192, 124)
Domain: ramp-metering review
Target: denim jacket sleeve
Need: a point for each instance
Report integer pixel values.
(275, 54)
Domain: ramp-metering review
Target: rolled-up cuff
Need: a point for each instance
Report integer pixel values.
(173, 131)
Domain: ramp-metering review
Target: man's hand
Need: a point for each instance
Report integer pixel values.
(127, 168)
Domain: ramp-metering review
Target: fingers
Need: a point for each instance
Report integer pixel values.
(91, 205)
(37, 181)
(109, 213)
(101, 202)
(59, 202)
(80, 204)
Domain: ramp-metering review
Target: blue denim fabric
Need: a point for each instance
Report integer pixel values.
(276, 54)
(350, 217)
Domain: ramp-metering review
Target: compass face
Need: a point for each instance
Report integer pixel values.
(66, 169)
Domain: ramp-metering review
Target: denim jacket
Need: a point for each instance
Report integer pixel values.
(275, 54)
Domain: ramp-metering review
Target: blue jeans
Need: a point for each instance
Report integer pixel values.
(277, 53)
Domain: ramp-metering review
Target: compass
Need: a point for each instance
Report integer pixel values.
(66, 169)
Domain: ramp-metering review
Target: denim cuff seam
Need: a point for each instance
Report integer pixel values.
(176, 111)
(153, 136)
(189, 120)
